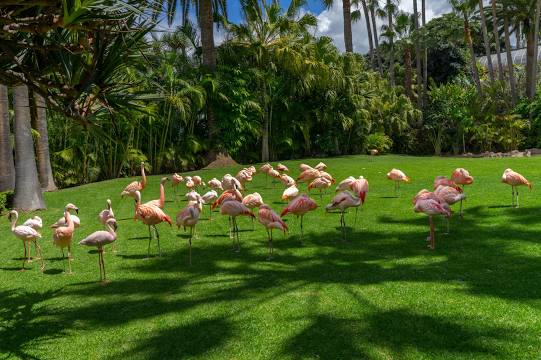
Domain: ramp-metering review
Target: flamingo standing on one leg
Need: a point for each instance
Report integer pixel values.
(360, 188)
(345, 184)
(282, 168)
(320, 183)
(397, 176)
(135, 185)
(99, 239)
(252, 201)
(287, 180)
(431, 207)
(299, 207)
(515, 179)
(265, 168)
(161, 201)
(462, 177)
(63, 235)
(208, 198)
(290, 193)
(343, 201)
(27, 234)
(188, 217)
(151, 216)
(198, 181)
(234, 208)
(308, 175)
(450, 195)
(176, 179)
(270, 220)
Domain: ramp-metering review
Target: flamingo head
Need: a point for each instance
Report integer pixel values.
(70, 206)
(13, 215)
(111, 223)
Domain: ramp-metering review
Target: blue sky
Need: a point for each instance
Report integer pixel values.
(233, 12)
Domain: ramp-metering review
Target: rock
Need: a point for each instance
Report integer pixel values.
(221, 161)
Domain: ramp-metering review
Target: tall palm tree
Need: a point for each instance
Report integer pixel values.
(418, 65)
(7, 168)
(39, 123)
(369, 32)
(496, 35)
(533, 82)
(346, 16)
(486, 40)
(373, 6)
(404, 26)
(510, 68)
(28, 194)
(388, 12)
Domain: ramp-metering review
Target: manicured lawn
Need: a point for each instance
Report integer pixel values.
(381, 295)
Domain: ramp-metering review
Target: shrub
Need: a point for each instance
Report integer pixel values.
(378, 141)
(6, 201)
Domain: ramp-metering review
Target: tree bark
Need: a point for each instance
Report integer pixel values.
(518, 35)
(533, 86)
(486, 41)
(408, 73)
(45, 170)
(369, 31)
(510, 69)
(425, 52)
(7, 167)
(28, 194)
(376, 40)
(467, 36)
(348, 38)
(418, 65)
(497, 40)
(530, 61)
(391, 42)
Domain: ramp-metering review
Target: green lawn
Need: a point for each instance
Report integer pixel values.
(381, 295)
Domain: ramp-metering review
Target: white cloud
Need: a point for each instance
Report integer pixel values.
(331, 24)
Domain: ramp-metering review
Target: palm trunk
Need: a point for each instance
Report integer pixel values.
(7, 167)
(486, 41)
(28, 194)
(369, 31)
(376, 40)
(425, 51)
(518, 35)
(530, 60)
(533, 86)
(408, 73)
(42, 145)
(497, 40)
(391, 53)
(475, 74)
(418, 66)
(348, 38)
(510, 69)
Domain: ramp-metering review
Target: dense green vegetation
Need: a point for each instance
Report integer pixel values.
(383, 294)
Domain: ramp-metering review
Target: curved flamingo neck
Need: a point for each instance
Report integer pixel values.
(111, 230)
(162, 195)
(13, 223)
(143, 177)
(69, 220)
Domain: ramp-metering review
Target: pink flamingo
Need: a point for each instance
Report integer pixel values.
(308, 175)
(270, 220)
(514, 179)
(431, 207)
(252, 170)
(192, 195)
(274, 174)
(135, 185)
(442, 180)
(265, 169)
(150, 215)
(35, 223)
(345, 184)
(63, 235)
(343, 201)
(27, 234)
(106, 214)
(304, 167)
(290, 193)
(62, 222)
(449, 195)
(299, 207)
(282, 168)
(320, 184)
(198, 181)
(161, 201)
(215, 184)
(397, 176)
(252, 201)
(188, 217)
(321, 166)
(190, 184)
(99, 239)
(462, 177)
(360, 188)
(208, 198)
(176, 179)
(232, 194)
(229, 182)
(327, 176)
(234, 208)
(287, 180)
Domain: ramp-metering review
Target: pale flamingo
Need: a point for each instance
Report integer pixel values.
(188, 217)
(270, 220)
(360, 188)
(290, 193)
(62, 235)
(282, 168)
(190, 184)
(450, 196)
(304, 167)
(515, 179)
(442, 180)
(99, 239)
(161, 201)
(35, 223)
(135, 185)
(287, 180)
(192, 195)
(462, 177)
(265, 169)
(397, 176)
(343, 201)
(215, 184)
(327, 176)
(308, 175)
(198, 181)
(27, 234)
(274, 174)
(321, 166)
(431, 207)
(229, 182)
(208, 198)
(299, 207)
(252, 201)
(252, 170)
(62, 222)
(176, 179)
(150, 215)
(106, 214)
(320, 184)
(345, 184)
(234, 208)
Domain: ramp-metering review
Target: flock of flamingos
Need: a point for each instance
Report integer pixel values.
(351, 193)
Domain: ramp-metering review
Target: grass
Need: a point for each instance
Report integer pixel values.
(381, 295)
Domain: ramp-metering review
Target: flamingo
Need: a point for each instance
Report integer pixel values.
(270, 220)
(514, 179)
(150, 215)
(244, 176)
(320, 184)
(62, 235)
(252, 201)
(27, 234)
(442, 180)
(304, 167)
(188, 217)
(290, 193)
(252, 170)
(287, 180)
(321, 166)
(461, 176)
(431, 207)
(282, 168)
(233, 194)
(208, 198)
(345, 184)
(176, 179)
(215, 184)
(234, 208)
(161, 201)
(229, 182)
(327, 176)
(190, 184)
(265, 169)
(198, 181)
(397, 176)
(308, 175)
(135, 185)
(106, 214)
(99, 239)
(62, 222)
(343, 201)
(450, 196)
(192, 195)
(299, 207)
(274, 174)
(35, 223)
(360, 188)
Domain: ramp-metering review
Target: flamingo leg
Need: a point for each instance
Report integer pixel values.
(302, 233)
(25, 255)
(270, 244)
(344, 225)
(190, 242)
(158, 238)
(99, 263)
(512, 196)
(432, 239)
(517, 197)
(236, 233)
(63, 258)
(253, 226)
(447, 220)
(38, 251)
(69, 260)
(210, 213)
(149, 240)
(37, 257)
(29, 259)
(230, 228)
(356, 212)
(320, 195)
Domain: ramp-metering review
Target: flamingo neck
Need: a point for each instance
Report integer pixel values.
(162, 195)
(111, 230)
(69, 220)
(13, 223)
(143, 177)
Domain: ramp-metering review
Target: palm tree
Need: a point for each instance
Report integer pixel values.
(486, 41)
(28, 194)
(425, 51)
(533, 81)
(510, 68)
(388, 12)
(373, 6)
(369, 32)
(39, 122)
(496, 34)
(418, 65)
(7, 168)
(346, 14)
(404, 26)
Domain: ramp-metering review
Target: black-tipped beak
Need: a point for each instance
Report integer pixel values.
(77, 211)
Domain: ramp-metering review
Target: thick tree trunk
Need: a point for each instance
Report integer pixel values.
(391, 43)
(376, 40)
(28, 194)
(408, 73)
(486, 41)
(418, 65)
(369, 32)
(348, 38)
(533, 86)
(497, 40)
(45, 170)
(510, 69)
(7, 167)
(475, 74)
